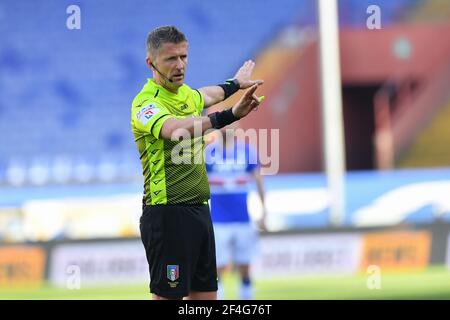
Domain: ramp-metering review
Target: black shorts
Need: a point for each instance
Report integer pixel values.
(180, 248)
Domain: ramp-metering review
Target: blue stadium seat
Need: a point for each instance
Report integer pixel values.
(69, 91)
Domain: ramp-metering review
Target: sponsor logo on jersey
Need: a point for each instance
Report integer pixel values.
(144, 115)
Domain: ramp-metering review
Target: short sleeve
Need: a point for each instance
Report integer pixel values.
(199, 101)
(150, 118)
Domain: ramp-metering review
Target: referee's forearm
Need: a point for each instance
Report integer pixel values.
(196, 126)
(212, 95)
(187, 128)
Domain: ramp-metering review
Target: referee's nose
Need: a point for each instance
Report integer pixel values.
(180, 64)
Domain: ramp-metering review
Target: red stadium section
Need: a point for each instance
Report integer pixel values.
(405, 61)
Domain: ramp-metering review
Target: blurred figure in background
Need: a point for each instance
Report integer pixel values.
(232, 166)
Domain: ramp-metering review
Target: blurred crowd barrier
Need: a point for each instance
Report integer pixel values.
(281, 254)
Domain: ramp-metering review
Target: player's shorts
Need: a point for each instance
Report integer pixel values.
(180, 248)
(236, 242)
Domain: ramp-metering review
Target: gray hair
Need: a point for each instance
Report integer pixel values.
(161, 35)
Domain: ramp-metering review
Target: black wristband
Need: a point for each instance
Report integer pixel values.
(229, 87)
(222, 119)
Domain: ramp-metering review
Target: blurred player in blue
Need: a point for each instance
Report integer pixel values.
(232, 167)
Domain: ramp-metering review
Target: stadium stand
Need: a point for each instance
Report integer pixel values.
(430, 149)
(430, 11)
(65, 99)
(65, 94)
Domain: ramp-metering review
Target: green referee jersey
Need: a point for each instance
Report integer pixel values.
(167, 179)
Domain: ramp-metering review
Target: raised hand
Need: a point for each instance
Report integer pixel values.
(244, 73)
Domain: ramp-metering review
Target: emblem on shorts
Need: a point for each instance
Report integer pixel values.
(173, 273)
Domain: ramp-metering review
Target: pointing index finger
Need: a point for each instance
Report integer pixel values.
(249, 92)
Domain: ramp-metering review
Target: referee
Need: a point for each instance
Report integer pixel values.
(175, 225)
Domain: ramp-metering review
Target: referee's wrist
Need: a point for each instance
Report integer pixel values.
(235, 82)
(222, 119)
(230, 87)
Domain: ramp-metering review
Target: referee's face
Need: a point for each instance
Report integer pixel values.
(171, 61)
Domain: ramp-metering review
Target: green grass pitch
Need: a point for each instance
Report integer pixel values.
(433, 283)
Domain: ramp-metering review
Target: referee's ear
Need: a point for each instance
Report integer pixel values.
(148, 62)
